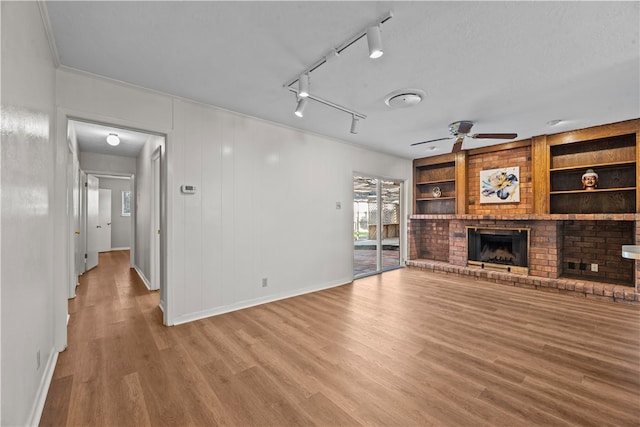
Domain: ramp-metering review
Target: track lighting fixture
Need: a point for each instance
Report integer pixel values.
(113, 139)
(354, 124)
(303, 85)
(375, 42)
(302, 104)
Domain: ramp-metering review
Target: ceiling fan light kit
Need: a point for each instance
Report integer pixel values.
(374, 42)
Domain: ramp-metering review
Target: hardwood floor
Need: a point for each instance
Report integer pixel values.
(403, 348)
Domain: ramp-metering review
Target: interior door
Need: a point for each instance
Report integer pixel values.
(81, 231)
(155, 220)
(104, 220)
(92, 216)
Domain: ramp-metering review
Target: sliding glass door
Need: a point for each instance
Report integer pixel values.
(376, 225)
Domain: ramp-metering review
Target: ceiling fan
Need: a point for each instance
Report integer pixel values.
(459, 130)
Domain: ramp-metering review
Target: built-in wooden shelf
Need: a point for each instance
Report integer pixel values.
(612, 157)
(429, 173)
(435, 198)
(592, 166)
(437, 181)
(597, 190)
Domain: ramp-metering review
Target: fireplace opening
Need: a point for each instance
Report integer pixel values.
(498, 248)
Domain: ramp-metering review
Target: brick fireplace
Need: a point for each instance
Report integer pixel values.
(567, 252)
(502, 249)
(557, 242)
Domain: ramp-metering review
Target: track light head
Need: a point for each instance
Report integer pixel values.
(302, 104)
(113, 139)
(354, 124)
(303, 85)
(375, 42)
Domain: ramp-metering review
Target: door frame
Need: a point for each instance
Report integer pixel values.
(403, 223)
(62, 239)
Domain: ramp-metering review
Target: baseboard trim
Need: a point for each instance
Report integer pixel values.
(43, 389)
(186, 318)
(144, 279)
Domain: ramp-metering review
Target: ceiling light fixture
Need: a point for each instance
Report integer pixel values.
(302, 104)
(303, 85)
(374, 41)
(354, 124)
(113, 139)
(372, 32)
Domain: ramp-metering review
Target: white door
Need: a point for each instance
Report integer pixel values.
(104, 220)
(81, 223)
(93, 200)
(155, 220)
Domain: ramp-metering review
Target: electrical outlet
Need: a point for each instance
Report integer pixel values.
(264, 282)
(594, 267)
(38, 360)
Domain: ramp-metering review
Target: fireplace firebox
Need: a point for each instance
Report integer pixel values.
(503, 249)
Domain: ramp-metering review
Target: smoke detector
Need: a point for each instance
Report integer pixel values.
(404, 98)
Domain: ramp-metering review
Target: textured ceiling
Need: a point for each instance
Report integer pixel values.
(507, 66)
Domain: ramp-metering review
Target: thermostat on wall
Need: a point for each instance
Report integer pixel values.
(188, 189)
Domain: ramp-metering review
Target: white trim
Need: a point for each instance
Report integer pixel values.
(43, 389)
(124, 248)
(143, 277)
(46, 22)
(258, 301)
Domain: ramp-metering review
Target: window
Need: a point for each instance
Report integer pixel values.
(126, 203)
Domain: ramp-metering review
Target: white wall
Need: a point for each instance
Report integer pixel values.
(27, 168)
(120, 225)
(265, 205)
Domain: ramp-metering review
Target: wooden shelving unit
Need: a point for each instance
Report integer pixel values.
(432, 174)
(613, 158)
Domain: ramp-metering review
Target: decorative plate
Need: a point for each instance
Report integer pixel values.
(436, 192)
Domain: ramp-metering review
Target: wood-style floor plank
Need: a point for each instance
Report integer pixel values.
(407, 348)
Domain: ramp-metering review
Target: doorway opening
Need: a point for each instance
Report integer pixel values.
(134, 174)
(376, 225)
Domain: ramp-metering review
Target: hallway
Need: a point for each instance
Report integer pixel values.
(100, 379)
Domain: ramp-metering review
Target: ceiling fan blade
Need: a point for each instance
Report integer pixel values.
(457, 146)
(431, 140)
(495, 135)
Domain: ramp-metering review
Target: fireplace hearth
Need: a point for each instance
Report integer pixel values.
(504, 249)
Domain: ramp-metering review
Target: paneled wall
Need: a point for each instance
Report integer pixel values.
(28, 313)
(265, 205)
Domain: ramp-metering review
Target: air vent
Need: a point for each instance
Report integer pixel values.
(404, 98)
